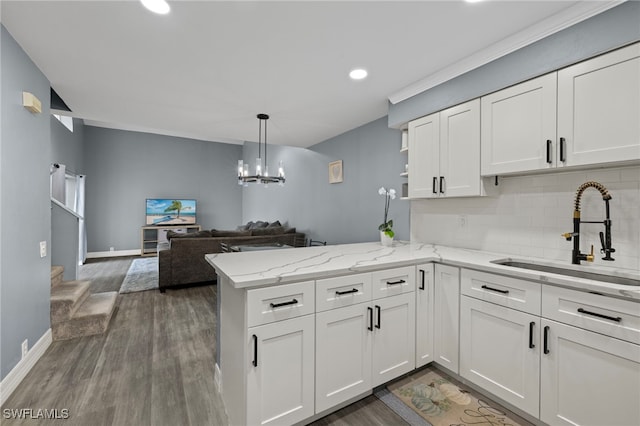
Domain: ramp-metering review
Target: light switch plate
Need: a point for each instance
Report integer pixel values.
(43, 249)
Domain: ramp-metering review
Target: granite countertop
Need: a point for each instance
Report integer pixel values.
(264, 268)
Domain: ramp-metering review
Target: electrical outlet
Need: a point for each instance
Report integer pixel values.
(43, 249)
(25, 347)
(462, 221)
(112, 249)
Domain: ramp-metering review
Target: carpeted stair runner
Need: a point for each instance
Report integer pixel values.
(75, 312)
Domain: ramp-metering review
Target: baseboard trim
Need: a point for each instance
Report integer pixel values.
(22, 368)
(115, 253)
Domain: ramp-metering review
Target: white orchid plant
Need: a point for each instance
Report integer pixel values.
(387, 225)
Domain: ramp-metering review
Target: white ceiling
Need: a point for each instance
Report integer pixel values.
(207, 68)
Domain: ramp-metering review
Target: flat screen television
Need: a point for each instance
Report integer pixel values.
(170, 211)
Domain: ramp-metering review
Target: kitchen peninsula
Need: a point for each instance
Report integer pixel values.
(306, 331)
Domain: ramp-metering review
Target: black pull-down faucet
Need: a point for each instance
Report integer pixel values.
(605, 238)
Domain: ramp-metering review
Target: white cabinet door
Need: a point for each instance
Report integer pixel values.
(343, 354)
(519, 127)
(394, 334)
(598, 109)
(500, 352)
(588, 378)
(424, 314)
(460, 150)
(424, 155)
(280, 380)
(446, 320)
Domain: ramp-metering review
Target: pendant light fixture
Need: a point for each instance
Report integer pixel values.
(261, 174)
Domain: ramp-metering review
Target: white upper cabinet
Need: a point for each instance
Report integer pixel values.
(599, 109)
(519, 127)
(584, 115)
(444, 153)
(424, 156)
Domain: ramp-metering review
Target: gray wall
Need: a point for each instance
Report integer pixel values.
(123, 168)
(337, 213)
(611, 29)
(25, 217)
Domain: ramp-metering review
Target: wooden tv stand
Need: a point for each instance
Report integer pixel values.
(152, 235)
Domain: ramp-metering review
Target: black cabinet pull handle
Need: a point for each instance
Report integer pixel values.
(546, 340)
(562, 149)
(396, 282)
(442, 184)
(435, 182)
(378, 313)
(255, 351)
(549, 151)
(340, 293)
(595, 314)
(277, 305)
(495, 289)
(421, 279)
(532, 324)
(370, 326)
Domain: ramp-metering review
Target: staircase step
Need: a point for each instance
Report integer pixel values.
(92, 317)
(57, 273)
(66, 299)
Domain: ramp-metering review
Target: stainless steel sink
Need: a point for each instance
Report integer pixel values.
(567, 271)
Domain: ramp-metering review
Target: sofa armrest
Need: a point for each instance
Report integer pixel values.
(164, 269)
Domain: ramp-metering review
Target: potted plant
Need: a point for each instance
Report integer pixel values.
(386, 228)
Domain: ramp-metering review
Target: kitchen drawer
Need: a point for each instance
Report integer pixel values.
(280, 302)
(506, 291)
(337, 292)
(393, 281)
(606, 315)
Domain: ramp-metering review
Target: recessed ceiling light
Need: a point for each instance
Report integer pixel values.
(473, 1)
(358, 74)
(157, 6)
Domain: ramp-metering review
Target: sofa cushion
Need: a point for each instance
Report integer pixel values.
(258, 224)
(273, 230)
(223, 233)
(290, 230)
(274, 224)
(199, 234)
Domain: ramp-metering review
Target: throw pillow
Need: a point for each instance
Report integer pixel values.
(258, 224)
(289, 230)
(274, 224)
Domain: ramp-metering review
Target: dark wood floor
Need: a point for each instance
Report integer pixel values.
(154, 366)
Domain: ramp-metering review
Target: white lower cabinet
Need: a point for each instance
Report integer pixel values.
(446, 316)
(500, 352)
(394, 334)
(343, 354)
(280, 380)
(588, 378)
(424, 314)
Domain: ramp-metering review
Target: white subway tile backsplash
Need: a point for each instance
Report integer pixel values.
(526, 215)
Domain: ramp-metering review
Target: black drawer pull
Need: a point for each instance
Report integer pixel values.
(396, 282)
(546, 339)
(435, 182)
(422, 273)
(616, 319)
(370, 326)
(562, 149)
(532, 324)
(255, 350)
(378, 311)
(340, 293)
(495, 289)
(277, 305)
(442, 184)
(549, 151)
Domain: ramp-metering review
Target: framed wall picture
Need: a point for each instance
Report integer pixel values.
(335, 171)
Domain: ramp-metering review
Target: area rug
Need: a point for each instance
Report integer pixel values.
(442, 403)
(142, 275)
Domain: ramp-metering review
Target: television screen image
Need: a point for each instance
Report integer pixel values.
(170, 211)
